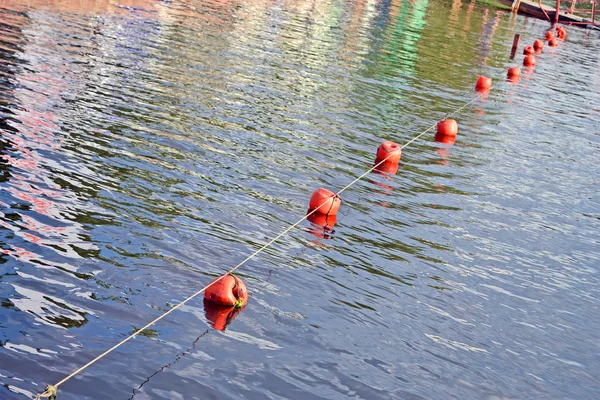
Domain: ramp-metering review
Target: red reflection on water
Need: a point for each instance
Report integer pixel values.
(444, 153)
(483, 93)
(514, 79)
(446, 139)
(387, 167)
(220, 316)
(322, 225)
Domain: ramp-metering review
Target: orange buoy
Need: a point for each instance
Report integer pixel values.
(218, 315)
(388, 151)
(447, 127)
(553, 42)
(513, 72)
(228, 290)
(561, 32)
(538, 45)
(549, 35)
(325, 202)
(528, 50)
(483, 83)
(446, 139)
(529, 61)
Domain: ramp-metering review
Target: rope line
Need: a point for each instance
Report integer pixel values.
(51, 390)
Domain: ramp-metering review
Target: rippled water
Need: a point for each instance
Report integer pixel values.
(147, 146)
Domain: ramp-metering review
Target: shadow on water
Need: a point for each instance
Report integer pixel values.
(178, 358)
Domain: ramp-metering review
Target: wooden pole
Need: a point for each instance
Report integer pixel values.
(513, 51)
(515, 6)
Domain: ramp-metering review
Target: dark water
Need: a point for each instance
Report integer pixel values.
(147, 146)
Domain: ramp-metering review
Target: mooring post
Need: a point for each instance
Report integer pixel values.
(515, 6)
(557, 11)
(513, 51)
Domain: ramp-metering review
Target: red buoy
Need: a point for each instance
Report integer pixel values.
(538, 45)
(388, 151)
(483, 83)
(529, 61)
(325, 202)
(387, 167)
(549, 35)
(219, 316)
(228, 290)
(528, 50)
(514, 72)
(447, 127)
(552, 43)
(561, 32)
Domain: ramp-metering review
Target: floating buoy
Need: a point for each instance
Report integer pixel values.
(325, 202)
(529, 61)
(228, 290)
(549, 35)
(514, 72)
(388, 151)
(447, 127)
(528, 50)
(561, 32)
(538, 45)
(387, 167)
(553, 43)
(218, 315)
(483, 83)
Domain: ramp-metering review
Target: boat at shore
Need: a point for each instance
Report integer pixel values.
(554, 14)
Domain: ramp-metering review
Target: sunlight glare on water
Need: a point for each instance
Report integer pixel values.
(150, 145)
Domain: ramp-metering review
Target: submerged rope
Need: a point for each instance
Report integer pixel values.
(51, 391)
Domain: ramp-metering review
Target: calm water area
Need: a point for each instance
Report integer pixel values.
(149, 146)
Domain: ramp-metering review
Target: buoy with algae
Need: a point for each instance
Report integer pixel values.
(228, 290)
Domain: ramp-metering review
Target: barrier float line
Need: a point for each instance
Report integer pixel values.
(51, 390)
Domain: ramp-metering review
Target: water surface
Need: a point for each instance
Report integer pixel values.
(148, 146)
